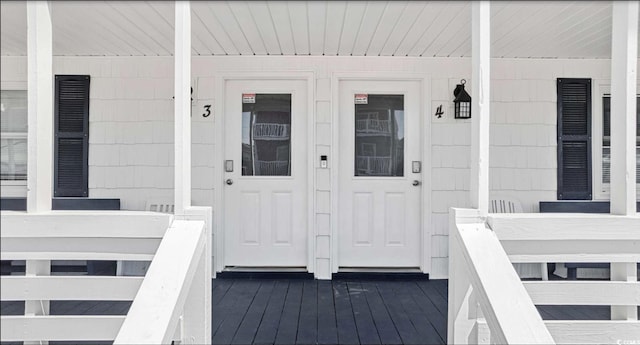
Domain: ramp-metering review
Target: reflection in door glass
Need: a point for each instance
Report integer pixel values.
(379, 134)
(266, 135)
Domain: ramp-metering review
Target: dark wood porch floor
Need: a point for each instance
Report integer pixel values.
(290, 311)
(329, 312)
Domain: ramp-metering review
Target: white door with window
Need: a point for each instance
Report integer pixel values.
(265, 173)
(379, 174)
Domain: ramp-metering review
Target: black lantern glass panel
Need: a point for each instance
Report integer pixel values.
(462, 102)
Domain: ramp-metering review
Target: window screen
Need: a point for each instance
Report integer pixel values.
(606, 140)
(13, 135)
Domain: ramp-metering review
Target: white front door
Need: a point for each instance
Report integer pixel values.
(265, 173)
(379, 174)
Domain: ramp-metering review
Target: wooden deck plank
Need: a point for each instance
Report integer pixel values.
(556, 313)
(430, 290)
(12, 307)
(442, 287)
(70, 307)
(593, 312)
(73, 307)
(437, 319)
(570, 312)
(220, 289)
(386, 328)
(421, 319)
(347, 332)
(249, 326)
(106, 307)
(544, 313)
(266, 333)
(221, 308)
(327, 328)
(288, 328)
(235, 312)
(403, 323)
(308, 324)
(367, 332)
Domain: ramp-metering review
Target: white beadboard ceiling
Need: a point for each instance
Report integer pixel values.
(520, 29)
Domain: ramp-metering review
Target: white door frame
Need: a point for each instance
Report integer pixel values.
(425, 175)
(218, 207)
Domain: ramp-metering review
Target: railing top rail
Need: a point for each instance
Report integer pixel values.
(154, 313)
(553, 215)
(553, 227)
(61, 213)
(85, 224)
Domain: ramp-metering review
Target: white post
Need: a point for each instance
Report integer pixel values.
(624, 55)
(182, 106)
(461, 319)
(480, 98)
(462, 307)
(35, 268)
(40, 107)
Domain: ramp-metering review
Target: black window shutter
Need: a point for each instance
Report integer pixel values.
(71, 176)
(574, 139)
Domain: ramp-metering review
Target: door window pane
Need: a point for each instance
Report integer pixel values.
(13, 131)
(379, 136)
(266, 135)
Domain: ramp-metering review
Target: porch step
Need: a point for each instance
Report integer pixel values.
(366, 273)
(265, 273)
(379, 276)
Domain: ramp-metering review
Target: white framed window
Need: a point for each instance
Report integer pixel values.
(13, 135)
(601, 149)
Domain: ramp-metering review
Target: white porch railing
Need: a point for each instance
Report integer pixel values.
(373, 126)
(276, 168)
(373, 164)
(488, 303)
(271, 131)
(172, 302)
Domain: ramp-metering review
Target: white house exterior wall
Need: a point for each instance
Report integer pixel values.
(131, 129)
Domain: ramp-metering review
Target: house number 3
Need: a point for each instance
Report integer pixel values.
(207, 110)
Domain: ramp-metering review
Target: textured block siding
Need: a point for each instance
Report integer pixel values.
(131, 127)
(131, 130)
(523, 125)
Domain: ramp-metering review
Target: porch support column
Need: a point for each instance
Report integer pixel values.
(624, 55)
(40, 107)
(480, 77)
(182, 106)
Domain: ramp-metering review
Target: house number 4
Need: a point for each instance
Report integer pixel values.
(207, 110)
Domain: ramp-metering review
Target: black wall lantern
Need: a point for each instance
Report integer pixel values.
(462, 101)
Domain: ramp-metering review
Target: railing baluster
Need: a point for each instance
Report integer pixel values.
(624, 271)
(40, 307)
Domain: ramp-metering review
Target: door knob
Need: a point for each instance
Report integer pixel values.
(416, 183)
(229, 181)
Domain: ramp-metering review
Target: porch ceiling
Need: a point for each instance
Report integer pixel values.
(541, 29)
